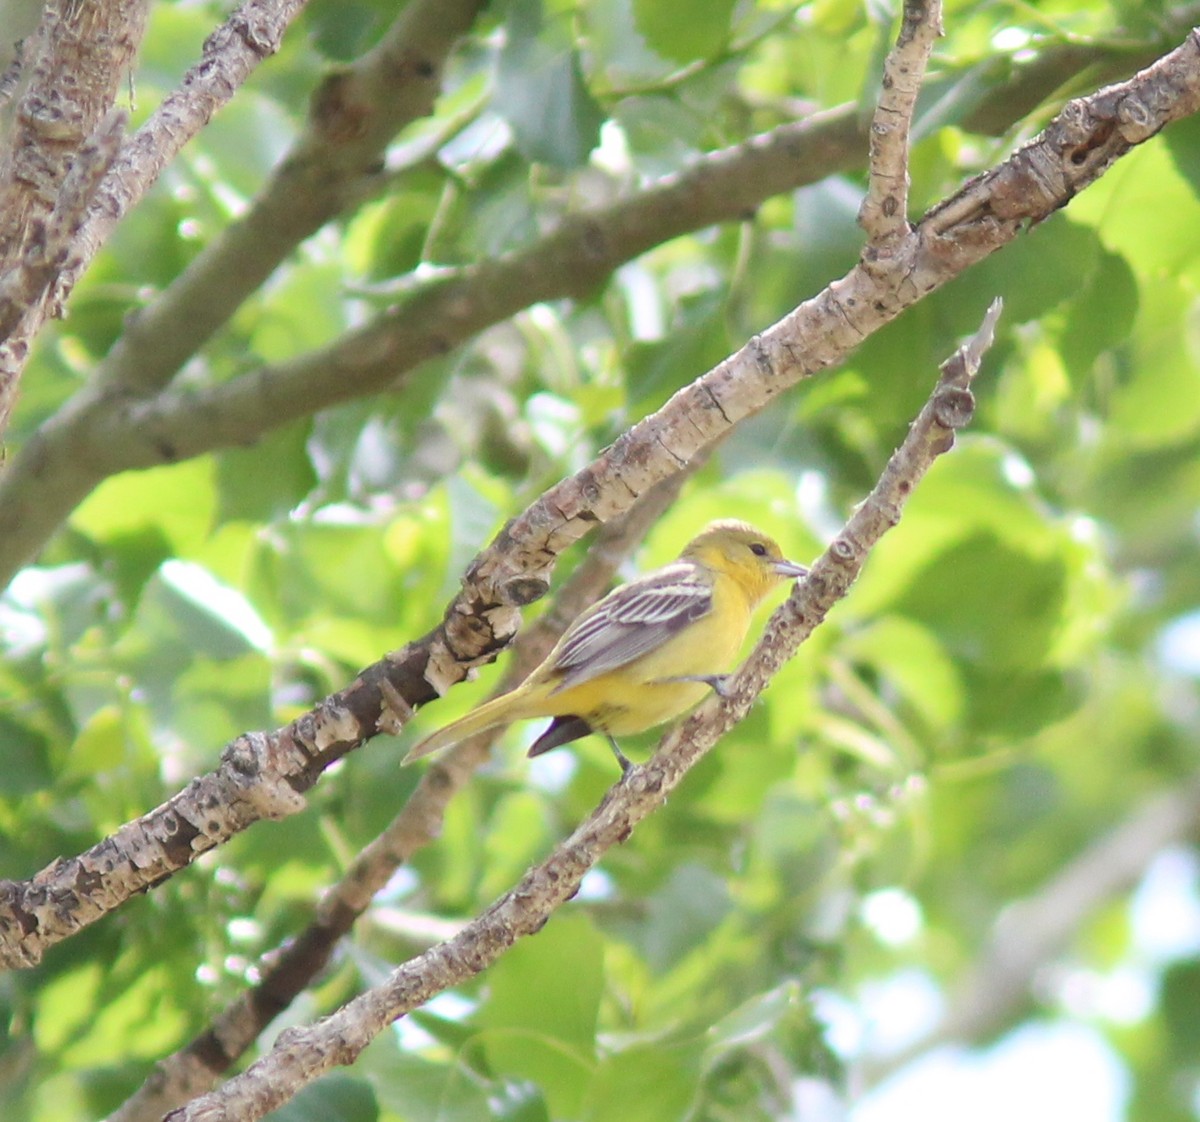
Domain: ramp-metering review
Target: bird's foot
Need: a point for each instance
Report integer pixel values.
(721, 684)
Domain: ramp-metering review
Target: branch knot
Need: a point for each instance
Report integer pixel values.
(953, 407)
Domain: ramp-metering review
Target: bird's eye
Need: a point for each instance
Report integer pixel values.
(758, 549)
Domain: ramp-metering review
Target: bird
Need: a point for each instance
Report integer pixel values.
(646, 652)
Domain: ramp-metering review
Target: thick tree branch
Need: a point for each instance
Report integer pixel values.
(303, 1054)
(75, 65)
(45, 256)
(253, 32)
(78, 59)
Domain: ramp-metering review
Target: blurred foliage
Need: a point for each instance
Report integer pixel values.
(1004, 683)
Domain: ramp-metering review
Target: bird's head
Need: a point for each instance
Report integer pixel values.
(751, 557)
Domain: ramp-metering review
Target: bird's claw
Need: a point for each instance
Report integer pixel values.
(722, 685)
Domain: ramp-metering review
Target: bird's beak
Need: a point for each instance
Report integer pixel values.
(789, 569)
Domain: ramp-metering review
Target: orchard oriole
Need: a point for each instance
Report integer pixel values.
(644, 653)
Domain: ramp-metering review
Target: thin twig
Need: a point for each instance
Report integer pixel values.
(884, 211)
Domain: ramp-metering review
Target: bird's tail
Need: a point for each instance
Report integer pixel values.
(499, 711)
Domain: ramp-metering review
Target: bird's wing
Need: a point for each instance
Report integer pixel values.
(629, 622)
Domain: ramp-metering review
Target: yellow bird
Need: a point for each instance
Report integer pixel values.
(647, 651)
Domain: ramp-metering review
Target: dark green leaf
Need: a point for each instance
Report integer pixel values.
(541, 91)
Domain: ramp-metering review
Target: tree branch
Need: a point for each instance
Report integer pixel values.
(990, 211)
(46, 255)
(102, 430)
(884, 211)
(249, 35)
(79, 57)
(303, 1054)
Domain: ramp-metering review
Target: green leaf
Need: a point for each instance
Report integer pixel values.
(662, 132)
(26, 767)
(344, 31)
(518, 835)
(267, 481)
(139, 1019)
(177, 502)
(389, 240)
(1016, 703)
(682, 915)
(644, 1083)
(540, 90)
(307, 312)
(989, 603)
(214, 701)
(1180, 993)
(696, 342)
(1036, 273)
(100, 745)
(539, 1020)
(1146, 211)
(184, 606)
(1156, 396)
(911, 659)
(1183, 143)
(760, 1018)
(684, 31)
(1100, 317)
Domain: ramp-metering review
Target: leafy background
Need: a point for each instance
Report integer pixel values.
(1013, 677)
